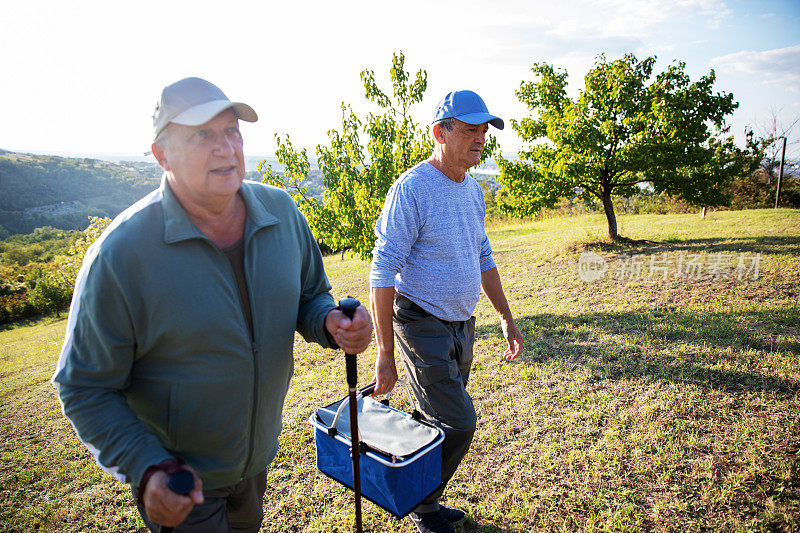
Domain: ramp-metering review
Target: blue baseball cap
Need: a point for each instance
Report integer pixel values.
(465, 106)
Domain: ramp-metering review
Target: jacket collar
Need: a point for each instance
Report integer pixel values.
(179, 227)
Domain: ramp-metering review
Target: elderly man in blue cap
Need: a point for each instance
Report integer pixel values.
(430, 261)
(178, 351)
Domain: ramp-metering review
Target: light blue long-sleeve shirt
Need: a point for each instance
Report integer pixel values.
(431, 243)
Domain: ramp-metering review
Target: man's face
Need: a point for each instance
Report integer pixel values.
(463, 145)
(206, 161)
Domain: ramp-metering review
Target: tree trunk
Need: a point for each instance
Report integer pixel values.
(612, 218)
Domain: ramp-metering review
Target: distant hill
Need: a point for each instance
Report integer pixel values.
(62, 192)
(43, 190)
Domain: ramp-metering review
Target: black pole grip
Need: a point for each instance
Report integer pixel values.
(348, 306)
(182, 483)
(350, 367)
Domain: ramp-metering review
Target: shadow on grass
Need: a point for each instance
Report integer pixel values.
(763, 245)
(751, 245)
(721, 350)
(48, 318)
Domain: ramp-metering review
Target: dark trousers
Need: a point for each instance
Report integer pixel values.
(239, 507)
(437, 356)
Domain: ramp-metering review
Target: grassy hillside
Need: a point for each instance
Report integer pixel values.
(663, 396)
(38, 190)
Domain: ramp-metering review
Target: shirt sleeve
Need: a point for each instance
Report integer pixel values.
(93, 369)
(315, 296)
(487, 262)
(396, 230)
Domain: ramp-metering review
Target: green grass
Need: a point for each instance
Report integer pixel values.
(660, 403)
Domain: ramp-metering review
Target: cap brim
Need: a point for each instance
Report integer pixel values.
(200, 114)
(481, 118)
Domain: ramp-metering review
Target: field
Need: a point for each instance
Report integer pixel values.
(663, 396)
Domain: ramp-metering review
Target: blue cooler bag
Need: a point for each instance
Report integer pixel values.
(401, 456)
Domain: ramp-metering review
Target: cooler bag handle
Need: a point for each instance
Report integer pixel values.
(415, 414)
(342, 405)
(369, 389)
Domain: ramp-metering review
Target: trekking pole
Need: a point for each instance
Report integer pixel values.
(348, 306)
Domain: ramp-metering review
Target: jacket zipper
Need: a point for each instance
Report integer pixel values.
(254, 350)
(254, 345)
(251, 444)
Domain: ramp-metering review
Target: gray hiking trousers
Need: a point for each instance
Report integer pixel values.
(437, 356)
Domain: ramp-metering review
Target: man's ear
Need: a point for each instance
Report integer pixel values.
(438, 133)
(161, 158)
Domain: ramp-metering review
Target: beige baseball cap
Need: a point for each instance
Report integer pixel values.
(195, 101)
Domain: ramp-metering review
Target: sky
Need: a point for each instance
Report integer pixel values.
(83, 78)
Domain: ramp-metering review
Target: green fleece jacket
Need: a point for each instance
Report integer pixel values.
(158, 360)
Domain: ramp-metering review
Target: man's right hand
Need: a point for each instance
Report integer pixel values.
(165, 507)
(385, 373)
(381, 300)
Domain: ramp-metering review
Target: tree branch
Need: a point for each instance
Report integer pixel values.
(591, 190)
(629, 183)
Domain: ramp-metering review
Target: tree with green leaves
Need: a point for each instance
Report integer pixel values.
(52, 286)
(71, 265)
(357, 176)
(623, 131)
(52, 290)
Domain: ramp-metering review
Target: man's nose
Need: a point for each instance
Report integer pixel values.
(223, 145)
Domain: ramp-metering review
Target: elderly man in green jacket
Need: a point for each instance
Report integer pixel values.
(178, 349)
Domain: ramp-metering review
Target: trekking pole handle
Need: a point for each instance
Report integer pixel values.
(181, 482)
(348, 306)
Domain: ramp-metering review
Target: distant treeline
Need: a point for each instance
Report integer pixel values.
(43, 190)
